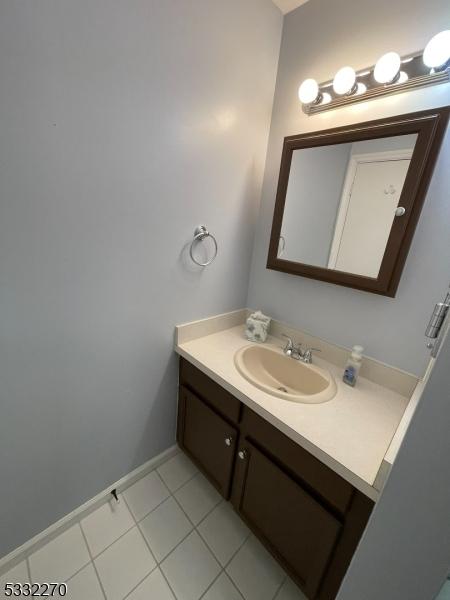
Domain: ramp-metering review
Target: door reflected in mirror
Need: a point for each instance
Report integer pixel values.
(341, 202)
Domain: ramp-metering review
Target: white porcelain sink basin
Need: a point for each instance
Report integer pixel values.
(284, 377)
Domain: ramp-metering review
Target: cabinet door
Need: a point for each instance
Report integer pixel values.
(295, 527)
(208, 439)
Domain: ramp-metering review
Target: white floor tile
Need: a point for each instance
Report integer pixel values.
(124, 564)
(191, 568)
(18, 574)
(106, 524)
(84, 585)
(224, 532)
(222, 589)
(165, 527)
(153, 588)
(255, 572)
(145, 495)
(197, 497)
(289, 591)
(176, 471)
(61, 558)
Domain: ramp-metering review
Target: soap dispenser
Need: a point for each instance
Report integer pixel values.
(353, 366)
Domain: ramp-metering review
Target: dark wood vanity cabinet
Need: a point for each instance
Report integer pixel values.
(209, 440)
(306, 515)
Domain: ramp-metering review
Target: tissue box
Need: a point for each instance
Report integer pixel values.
(257, 327)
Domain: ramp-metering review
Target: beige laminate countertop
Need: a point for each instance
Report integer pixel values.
(351, 433)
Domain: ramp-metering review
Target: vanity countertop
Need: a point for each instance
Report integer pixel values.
(351, 433)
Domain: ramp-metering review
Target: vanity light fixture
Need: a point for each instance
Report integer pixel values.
(391, 74)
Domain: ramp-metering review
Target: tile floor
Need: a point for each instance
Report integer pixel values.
(171, 537)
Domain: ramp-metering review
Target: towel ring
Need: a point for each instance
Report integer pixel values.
(200, 234)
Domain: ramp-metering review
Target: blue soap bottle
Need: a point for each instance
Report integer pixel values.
(353, 366)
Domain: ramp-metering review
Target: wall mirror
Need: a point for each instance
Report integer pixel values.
(349, 199)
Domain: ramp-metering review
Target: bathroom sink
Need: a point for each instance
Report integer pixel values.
(279, 375)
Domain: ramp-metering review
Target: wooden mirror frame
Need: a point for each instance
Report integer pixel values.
(430, 127)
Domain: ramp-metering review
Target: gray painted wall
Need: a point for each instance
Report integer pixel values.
(405, 551)
(357, 32)
(123, 125)
(312, 201)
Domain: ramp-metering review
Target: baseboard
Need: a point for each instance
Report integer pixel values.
(39, 540)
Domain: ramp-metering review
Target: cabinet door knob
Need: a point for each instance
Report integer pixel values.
(228, 441)
(242, 454)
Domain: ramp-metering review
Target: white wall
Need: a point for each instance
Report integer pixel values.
(318, 38)
(123, 125)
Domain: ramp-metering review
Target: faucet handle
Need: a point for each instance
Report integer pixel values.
(289, 347)
(308, 354)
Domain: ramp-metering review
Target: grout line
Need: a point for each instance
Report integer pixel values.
(235, 586)
(78, 571)
(234, 554)
(141, 581)
(173, 549)
(137, 521)
(195, 528)
(136, 524)
(168, 582)
(112, 543)
(221, 501)
(279, 588)
(92, 560)
(131, 512)
(197, 472)
(202, 519)
(94, 556)
(148, 546)
(212, 583)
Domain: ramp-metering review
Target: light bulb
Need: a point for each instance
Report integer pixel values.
(308, 92)
(403, 77)
(387, 68)
(362, 87)
(437, 51)
(344, 81)
(326, 98)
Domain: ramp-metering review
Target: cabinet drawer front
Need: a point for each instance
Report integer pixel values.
(209, 439)
(294, 526)
(210, 391)
(335, 491)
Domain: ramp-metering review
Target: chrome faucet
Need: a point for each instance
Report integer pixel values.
(297, 353)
